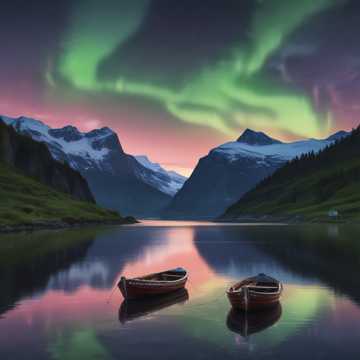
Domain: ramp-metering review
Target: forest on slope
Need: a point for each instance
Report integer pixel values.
(309, 186)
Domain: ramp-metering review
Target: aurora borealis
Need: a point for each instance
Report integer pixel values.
(185, 74)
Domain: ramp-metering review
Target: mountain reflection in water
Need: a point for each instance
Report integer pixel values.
(57, 287)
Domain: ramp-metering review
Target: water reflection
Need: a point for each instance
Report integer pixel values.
(174, 247)
(248, 323)
(28, 263)
(134, 309)
(56, 303)
(329, 253)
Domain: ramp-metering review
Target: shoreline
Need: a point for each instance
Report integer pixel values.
(58, 224)
(285, 219)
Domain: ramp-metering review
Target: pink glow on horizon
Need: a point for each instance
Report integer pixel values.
(54, 311)
(185, 171)
(179, 250)
(174, 145)
(57, 309)
(177, 150)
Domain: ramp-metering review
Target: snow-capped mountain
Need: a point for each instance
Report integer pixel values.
(131, 185)
(252, 137)
(276, 151)
(230, 170)
(80, 150)
(34, 160)
(170, 182)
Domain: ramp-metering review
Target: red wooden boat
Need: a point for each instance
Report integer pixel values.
(153, 284)
(255, 293)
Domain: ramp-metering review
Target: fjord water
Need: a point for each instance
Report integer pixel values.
(56, 300)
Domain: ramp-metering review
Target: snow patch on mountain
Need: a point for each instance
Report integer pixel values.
(144, 161)
(82, 147)
(98, 150)
(234, 150)
(67, 140)
(169, 182)
(285, 151)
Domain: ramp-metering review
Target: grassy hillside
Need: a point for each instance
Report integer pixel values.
(26, 201)
(309, 186)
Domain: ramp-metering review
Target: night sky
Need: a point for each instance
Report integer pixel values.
(175, 78)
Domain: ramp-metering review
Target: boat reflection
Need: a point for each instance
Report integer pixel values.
(248, 323)
(61, 295)
(134, 309)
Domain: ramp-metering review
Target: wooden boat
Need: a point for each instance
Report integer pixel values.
(153, 284)
(247, 323)
(255, 293)
(133, 309)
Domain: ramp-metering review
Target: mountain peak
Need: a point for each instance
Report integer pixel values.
(104, 138)
(24, 123)
(104, 131)
(338, 135)
(252, 137)
(68, 133)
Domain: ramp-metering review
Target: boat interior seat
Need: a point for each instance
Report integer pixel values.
(264, 288)
(266, 284)
(170, 277)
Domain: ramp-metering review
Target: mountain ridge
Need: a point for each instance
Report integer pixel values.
(117, 180)
(310, 186)
(39, 192)
(176, 182)
(230, 170)
(252, 137)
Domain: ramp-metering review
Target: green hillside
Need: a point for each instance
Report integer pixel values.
(26, 201)
(309, 186)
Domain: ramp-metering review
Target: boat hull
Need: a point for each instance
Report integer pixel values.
(137, 289)
(254, 302)
(255, 293)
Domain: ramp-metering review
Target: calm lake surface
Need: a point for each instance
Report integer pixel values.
(56, 301)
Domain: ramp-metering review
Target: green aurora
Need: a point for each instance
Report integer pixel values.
(300, 305)
(225, 95)
(82, 343)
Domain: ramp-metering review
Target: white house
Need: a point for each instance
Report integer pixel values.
(334, 214)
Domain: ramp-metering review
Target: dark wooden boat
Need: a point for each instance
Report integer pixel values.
(247, 323)
(255, 293)
(133, 309)
(153, 284)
